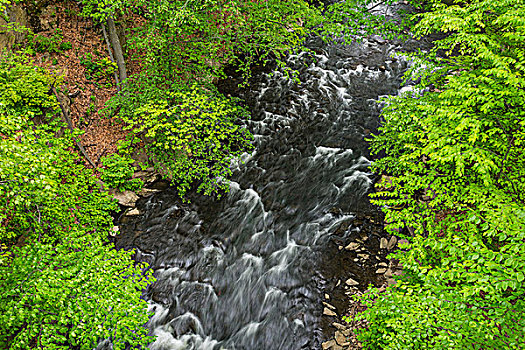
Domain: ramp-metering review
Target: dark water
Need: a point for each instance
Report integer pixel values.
(249, 271)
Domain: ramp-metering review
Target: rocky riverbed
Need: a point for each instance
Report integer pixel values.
(351, 265)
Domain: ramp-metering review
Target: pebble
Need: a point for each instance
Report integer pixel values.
(326, 296)
(328, 344)
(340, 338)
(352, 246)
(364, 256)
(328, 312)
(383, 244)
(133, 212)
(351, 282)
(383, 264)
(392, 243)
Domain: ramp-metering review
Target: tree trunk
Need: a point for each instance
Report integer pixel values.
(110, 53)
(117, 49)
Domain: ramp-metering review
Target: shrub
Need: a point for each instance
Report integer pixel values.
(117, 173)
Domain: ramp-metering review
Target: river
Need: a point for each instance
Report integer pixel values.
(249, 271)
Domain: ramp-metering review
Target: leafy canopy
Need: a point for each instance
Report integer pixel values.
(456, 180)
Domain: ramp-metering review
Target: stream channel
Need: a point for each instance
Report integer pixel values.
(250, 271)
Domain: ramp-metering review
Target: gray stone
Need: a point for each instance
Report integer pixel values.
(352, 282)
(328, 312)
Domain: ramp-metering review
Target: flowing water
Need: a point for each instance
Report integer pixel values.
(249, 271)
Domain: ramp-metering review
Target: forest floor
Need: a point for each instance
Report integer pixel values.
(87, 94)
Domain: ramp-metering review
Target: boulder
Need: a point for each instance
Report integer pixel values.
(340, 338)
(148, 176)
(146, 192)
(16, 15)
(339, 326)
(126, 198)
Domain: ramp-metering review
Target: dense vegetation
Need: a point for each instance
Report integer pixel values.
(62, 284)
(453, 164)
(454, 156)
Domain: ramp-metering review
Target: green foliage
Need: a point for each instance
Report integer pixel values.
(454, 155)
(42, 43)
(190, 135)
(71, 294)
(182, 39)
(117, 173)
(62, 285)
(97, 69)
(100, 10)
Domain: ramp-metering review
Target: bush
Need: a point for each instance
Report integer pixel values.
(53, 44)
(117, 173)
(97, 69)
(191, 135)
